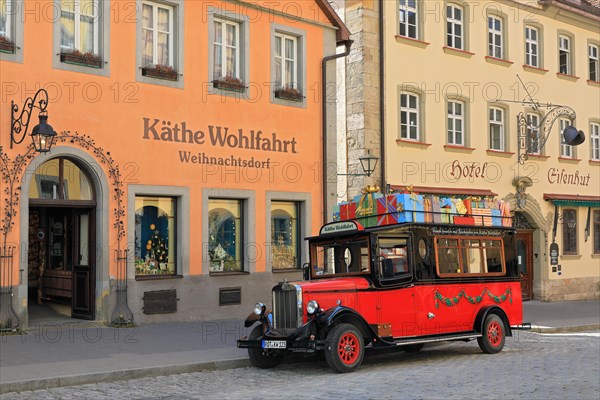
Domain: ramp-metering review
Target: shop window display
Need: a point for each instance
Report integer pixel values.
(284, 235)
(155, 240)
(225, 235)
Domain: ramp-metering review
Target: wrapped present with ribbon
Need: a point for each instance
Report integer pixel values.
(467, 204)
(448, 210)
(483, 216)
(335, 215)
(460, 220)
(460, 206)
(505, 210)
(386, 210)
(347, 211)
(412, 207)
(366, 206)
(436, 210)
(428, 208)
(496, 217)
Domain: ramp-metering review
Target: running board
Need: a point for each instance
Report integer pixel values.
(420, 340)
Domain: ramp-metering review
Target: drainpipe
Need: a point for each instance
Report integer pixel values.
(348, 44)
(381, 101)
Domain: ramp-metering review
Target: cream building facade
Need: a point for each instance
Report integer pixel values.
(444, 85)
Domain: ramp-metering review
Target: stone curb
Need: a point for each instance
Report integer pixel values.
(565, 329)
(74, 380)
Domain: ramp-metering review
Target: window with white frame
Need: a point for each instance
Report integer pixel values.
(593, 62)
(226, 50)
(533, 134)
(408, 18)
(595, 140)
(6, 21)
(286, 61)
(409, 116)
(456, 123)
(454, 26)
(495, 37)
(564, 55)
(157, 36)
(565, 149)
(496, 128)
(80, 26)
(532, 47)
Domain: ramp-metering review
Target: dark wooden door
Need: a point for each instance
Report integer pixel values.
(525, 262)
(84, 272)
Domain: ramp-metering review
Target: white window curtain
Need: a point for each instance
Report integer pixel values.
(157, 35)
(6, 18)
(286, 54)
(79, 25)
(226, 53)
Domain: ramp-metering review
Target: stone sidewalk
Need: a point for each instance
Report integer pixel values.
(53, 354)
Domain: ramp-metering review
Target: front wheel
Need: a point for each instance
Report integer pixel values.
(344, 350)
(493, 337)
(263, 358)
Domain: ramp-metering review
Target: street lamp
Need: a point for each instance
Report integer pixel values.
(42, 134)
(368, 164)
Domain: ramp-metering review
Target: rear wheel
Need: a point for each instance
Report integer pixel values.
(345, 348)
(493, 335)
(263, 358)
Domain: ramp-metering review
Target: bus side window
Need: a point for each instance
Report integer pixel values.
(395, 249)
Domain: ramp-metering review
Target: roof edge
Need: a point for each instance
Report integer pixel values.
(582, 8)
(342, 34)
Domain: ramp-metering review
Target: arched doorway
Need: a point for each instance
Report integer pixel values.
(62, 219)
(524, 253)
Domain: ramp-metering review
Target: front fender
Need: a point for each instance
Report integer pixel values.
(266, 319)
(327, 319)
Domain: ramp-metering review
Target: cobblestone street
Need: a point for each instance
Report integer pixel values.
(531, 366)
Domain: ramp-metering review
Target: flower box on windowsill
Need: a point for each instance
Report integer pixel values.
(6, 46)
(78, 58)
(231, 85)
(289, 94)
(160, 72)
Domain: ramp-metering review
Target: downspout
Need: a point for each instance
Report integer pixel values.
(381, 100)
(348, 44)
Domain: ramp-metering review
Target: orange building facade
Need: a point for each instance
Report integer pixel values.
(188, 163)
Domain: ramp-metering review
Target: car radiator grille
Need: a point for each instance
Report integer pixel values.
(285, 309)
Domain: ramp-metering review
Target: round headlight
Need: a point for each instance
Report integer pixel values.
(312, 307)
(258, 308)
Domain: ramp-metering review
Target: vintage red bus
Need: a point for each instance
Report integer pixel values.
(397, 285)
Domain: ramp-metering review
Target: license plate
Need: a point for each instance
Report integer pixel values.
(273, 344)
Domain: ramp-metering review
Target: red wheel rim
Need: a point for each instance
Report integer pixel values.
(494, 333)
(348, 348)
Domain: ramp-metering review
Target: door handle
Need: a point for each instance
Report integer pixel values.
(430, 315)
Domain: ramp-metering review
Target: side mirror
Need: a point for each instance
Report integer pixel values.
(306, 271)
(387, 268)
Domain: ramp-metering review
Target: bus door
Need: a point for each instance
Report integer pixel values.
(396, 302)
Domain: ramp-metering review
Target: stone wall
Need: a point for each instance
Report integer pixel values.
(362, 92)
(571, 289)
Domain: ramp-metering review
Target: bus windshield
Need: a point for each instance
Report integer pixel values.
(337, 257)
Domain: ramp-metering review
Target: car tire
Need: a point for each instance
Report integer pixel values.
(263, 358)
(492, 336)
(344, 348)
